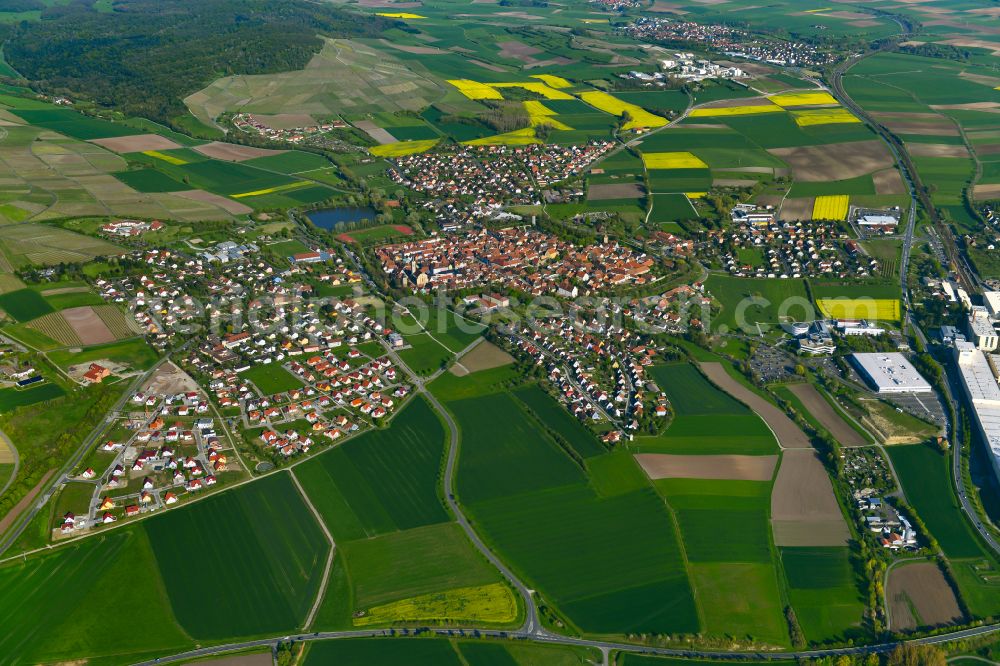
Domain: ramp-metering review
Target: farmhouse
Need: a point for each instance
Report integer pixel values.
(96, 374)
(890, 373)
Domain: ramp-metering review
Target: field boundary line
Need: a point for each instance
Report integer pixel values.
(321, 592)
(17, 460)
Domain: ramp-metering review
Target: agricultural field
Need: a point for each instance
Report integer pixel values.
(538, 509)
(383, 481)
(764, 301)
(55, 605)
(262, 532)
(824, 591)
(925, 475)
(706, 420)
(443, 652)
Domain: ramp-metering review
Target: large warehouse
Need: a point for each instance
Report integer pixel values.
(890, 372)
(983, 392)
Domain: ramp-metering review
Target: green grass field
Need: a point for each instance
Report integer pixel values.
(926, 478)
(258, 547)
(134, 353)
(55, 606)
(383, 481)
(538, 509)
(272, 378)
(11, 398)
(24, 304)
(555, 417)
(823, 592)
(761, 300)
(706, 420)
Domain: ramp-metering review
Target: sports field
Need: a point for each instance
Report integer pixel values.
(262, 532)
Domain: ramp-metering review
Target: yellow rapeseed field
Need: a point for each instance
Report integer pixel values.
(521, 137)
(401, 148)
(610, 104)
(695, 195)
(824, 117)
(734, 111)
(831, 207)
(552, 80)
(492, 603)
(271, 190)
(536, 87)
(475, 89)
(815, 98)
(881, 309)
(679, 160)
(163, 156)
(539, 114)
(400, 15)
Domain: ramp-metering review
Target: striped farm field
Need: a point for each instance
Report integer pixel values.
(815, 98)
(809, 117)
(536, 87)
(120, 324)
(831, 207)
(882, 309)
(55, 326)
(611, 104)
(169, 159)
(401, 148)
(539, 114)
(552, 80)
(519, 137)
(271, 190)
(475, 89)
(735, 111)
(676, 160)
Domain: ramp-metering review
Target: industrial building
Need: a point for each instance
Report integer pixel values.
(890, 372)
(983, 392)
(981, 331)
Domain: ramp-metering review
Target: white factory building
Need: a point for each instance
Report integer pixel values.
(890, 372)
(983, 392)
(981, 329)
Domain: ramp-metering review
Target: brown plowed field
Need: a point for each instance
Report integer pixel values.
(920, 587)
(835, 161)
(804, 511)
(726, 467)
(232, 152)
(88, 326)
(136, 143)
(828, 417)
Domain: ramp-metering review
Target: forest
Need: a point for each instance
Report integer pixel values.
(145, 56)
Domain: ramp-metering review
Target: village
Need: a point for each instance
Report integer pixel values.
(487, 177)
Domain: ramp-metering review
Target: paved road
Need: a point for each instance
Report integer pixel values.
(89, 441)
(581, 642)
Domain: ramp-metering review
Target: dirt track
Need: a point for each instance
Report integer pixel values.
(789, 435)
(828, 417)
(923, 585)
(725, 467)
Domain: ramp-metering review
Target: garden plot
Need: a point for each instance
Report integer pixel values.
(919, 596)
(804, 511)
(728, 467)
